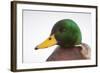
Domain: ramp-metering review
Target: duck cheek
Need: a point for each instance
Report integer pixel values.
(60, 43)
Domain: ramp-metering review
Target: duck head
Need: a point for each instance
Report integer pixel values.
(64, 33)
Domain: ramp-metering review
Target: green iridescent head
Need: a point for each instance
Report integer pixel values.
(67, 33)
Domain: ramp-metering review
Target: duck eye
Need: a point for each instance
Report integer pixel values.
(62, 30)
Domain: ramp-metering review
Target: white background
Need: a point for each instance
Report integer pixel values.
(5, 37)
(36, 22)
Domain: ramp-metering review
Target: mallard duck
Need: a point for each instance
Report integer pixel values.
(67, 34)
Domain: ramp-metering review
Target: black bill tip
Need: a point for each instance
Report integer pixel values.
(36, 48)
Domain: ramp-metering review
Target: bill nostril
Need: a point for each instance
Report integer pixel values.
(50, 38)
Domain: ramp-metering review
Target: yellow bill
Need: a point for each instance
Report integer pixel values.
(47, 43)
